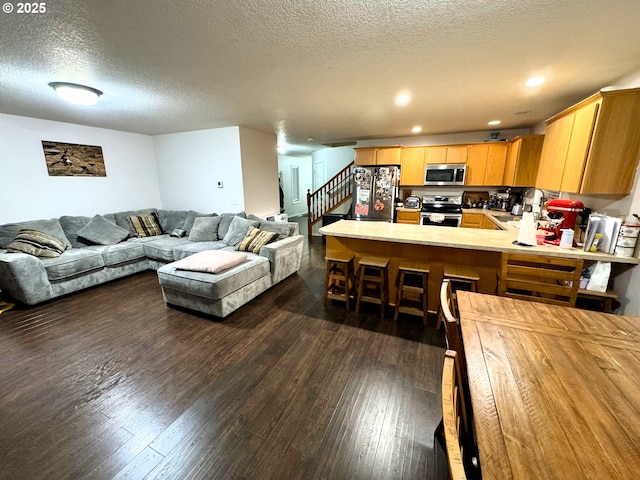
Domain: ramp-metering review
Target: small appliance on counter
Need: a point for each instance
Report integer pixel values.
(412, 202)
(561, 215)
(500, 201)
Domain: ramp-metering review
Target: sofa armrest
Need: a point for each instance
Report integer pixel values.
(284, 256)
(24, 278)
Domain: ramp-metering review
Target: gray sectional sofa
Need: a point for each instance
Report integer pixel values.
(85, 263)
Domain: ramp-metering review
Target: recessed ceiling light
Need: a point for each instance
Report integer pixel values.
(402, 99)
(534, 81)
(494, 122)
(416, 129)
(74, 93)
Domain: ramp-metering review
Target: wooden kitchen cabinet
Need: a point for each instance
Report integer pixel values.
(378, 156)
(412, 163)
(486, 163)
(471, 220)
(410, 217)
(593, 146)
(446, 154)
(523, 160)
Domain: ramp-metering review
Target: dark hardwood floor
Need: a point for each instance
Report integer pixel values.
(112, 383)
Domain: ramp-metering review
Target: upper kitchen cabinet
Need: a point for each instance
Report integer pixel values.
(412, 163)
(523, 159)
(593, 146)
(446, 154)
(378, 156)
(486, 163)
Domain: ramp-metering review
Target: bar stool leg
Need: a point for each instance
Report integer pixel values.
(327, 274)
(384, 290)
(360, 285)
(398, 296)
(425, 298)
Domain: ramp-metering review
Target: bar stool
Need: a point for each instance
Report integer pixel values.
(407, 273)
(373, 280)
(339, 278)
(459, 274)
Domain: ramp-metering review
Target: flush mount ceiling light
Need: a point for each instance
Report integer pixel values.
(402, 99)
(534, 81)
(74, 93)
(494, 122)
(416, 129)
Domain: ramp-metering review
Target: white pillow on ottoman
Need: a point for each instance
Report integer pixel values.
(210, 261)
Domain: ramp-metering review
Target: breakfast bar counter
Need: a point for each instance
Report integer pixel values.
(480, 249)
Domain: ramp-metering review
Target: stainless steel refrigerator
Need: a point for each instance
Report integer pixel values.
(374, 192)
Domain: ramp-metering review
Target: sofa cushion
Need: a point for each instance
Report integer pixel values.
(51, 227)
(146, 225)
(122, 218)
(212, 261)
(205, 229)
(73, 262)
(281, 228)
(238, 230)
(161, 247)
(103, 231)
(225, 222)
(191, 216)
(36, 243)
(120, 253)
(172, 219)
(214, 286)
(190, 248)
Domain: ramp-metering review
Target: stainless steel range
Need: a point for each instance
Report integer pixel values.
(442, 210)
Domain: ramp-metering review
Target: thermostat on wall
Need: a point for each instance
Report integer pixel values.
(219, 184)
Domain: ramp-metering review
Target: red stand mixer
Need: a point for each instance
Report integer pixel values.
(561, 214)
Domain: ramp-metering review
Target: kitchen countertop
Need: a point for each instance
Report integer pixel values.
(464, 238)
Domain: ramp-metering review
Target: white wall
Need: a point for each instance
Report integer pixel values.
(305, 180)
(259, 159)
(28, 192)
(191, 163)
(334, 159)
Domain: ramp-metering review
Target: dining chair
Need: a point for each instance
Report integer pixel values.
(553, 280)
(458, 438)
(448, 312)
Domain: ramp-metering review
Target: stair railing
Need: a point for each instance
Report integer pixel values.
(329, 196)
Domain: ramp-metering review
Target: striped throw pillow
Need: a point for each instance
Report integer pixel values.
(255, 240)
(36, 243)
(146, 225)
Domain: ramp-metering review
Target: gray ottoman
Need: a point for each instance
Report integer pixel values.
(215, 294)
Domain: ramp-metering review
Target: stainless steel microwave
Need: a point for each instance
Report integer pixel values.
(445, 174)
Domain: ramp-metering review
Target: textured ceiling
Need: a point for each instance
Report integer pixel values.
(322, 69)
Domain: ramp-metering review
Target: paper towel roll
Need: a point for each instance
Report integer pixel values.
(528, 227)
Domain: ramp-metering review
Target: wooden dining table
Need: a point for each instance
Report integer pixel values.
(555, 391)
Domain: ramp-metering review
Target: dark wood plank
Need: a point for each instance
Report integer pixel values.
(112, 383)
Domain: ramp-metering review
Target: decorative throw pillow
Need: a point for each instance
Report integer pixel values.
(102, 231)
(146, 225)
(210, 261)
(191, 216)
(256, 239)
(37, 243)
(238, 230)
(205, 229)
(227, 218)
